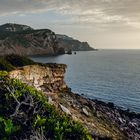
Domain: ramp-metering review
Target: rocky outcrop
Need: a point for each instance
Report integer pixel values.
(48, 78)
(24, 40)
(38, 42)
(103, 120)
(69, 43)
(14, 27)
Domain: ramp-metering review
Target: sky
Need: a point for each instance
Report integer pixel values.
(104, 24)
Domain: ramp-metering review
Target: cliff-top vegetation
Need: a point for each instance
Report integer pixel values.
(25, 112)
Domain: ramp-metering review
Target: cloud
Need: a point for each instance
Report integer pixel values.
(101, 13)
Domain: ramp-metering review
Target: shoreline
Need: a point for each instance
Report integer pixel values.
(102, 120)
(128, 122)
(111, 105)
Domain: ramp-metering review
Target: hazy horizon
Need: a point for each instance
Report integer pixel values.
(104, 24)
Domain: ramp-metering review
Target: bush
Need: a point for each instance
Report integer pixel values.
(25, 112)
(18, 61)
(4, 65)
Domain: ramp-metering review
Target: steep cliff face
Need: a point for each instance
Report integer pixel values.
(23, 40)
(49, 78)
(69, 43)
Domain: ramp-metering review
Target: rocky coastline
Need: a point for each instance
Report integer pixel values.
(26, 41)
(103, 120)
(128, 122)
(124, 123)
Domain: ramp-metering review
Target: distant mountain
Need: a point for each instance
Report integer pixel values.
(24, 40)
(68, 43)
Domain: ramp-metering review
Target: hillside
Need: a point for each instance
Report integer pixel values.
(36, 103)
(24, 40)
(68, 43)
(14, 27)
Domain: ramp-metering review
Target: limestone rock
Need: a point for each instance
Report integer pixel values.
(85, 111)
(64, 109)
(49, 78)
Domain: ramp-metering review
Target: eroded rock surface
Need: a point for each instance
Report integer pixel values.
(48, 78)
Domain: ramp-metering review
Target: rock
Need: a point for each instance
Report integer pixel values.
(75, 118)
(69, 52)
(64, 109)
(120, 119)
(83, 101)
(50, 101)
(72, 44)
(27, 42)
(61, 50)
(85, 111)
(48, 78)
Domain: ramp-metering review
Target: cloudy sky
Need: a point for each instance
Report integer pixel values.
(103, 23)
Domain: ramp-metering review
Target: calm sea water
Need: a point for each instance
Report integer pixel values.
(107, 75)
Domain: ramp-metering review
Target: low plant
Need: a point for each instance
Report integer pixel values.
(24, 111)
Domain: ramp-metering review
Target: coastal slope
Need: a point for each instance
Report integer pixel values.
(68, 43)
(24, 40)
(102, 120)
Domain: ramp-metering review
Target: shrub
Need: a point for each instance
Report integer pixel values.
(27, 112)
(4, 65)
(18, 61)
(7, 128)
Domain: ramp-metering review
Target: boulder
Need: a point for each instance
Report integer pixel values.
(64, 109)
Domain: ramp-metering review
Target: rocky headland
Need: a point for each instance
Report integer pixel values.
(24, 40)
(27, 102)
(69, 43)
(103, 120)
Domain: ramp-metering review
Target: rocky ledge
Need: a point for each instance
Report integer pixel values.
(103, 120)
(47, 78)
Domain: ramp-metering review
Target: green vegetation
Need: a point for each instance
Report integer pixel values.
(4, 65)
(25, 113)
(22, 41)
(18, 61)
(9, 62)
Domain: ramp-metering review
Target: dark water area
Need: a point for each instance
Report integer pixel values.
(106, 75)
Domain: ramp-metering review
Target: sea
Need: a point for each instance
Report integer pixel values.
(106, 75)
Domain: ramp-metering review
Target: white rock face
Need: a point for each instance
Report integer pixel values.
(44, 78)
(64, 109)
(85, 111)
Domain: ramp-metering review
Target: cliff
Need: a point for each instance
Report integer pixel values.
(24, 40)
(36, 102)
(103, 121)
(68, 43)
(26, 113)
(48, 78)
